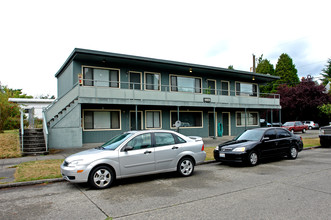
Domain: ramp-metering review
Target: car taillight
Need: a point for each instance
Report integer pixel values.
(203, 147)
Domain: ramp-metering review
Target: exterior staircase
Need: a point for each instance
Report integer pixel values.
(33, 142)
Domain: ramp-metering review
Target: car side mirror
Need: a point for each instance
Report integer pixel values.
(128, 148)
(266, 139)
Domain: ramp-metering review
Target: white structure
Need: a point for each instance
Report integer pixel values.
(36, 104)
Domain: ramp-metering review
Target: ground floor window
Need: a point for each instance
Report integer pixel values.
(251, 118)
(187, 118)
(101, 120)
(153, 119)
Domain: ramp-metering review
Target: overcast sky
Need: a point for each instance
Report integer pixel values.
(38, 36)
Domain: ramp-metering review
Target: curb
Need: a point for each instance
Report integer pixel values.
(36, 182)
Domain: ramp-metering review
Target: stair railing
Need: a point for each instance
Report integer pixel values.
(22, 127)
(45, 129)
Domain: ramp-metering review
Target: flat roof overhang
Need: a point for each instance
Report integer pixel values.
(107, 57)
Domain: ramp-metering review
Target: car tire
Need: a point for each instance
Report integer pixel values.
(101, 177)
(304, 130)
(310, 127)
(253, 158)
(185, 166)
(293, 153)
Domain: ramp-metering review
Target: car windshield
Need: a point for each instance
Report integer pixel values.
(289, 124)
(250, 135)
(113, 143)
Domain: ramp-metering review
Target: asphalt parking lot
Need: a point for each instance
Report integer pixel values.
(275, 189)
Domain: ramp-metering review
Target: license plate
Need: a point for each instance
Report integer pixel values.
(222, 155)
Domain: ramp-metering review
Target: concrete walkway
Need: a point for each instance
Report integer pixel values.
(7, 166)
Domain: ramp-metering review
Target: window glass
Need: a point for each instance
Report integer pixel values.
(101, 119)
(88, 120)
(88, 77)
(185, 84)
(114, 78)
(225, 88)
(141, 142)
(211, 86)
(152, 81)
(252, 118)
(246, 89)
(100, 77)
(180, 140)
(283, 133)
(188, 119)
(163, 139)
(153, 119)
(135, 81)
(271, 134)
(113, 143)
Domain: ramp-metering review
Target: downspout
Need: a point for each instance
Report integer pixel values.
(245, 119)
(136, 118)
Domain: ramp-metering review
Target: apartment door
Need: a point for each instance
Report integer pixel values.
(211, 124)
(135, 80)
(133, 120)
(226, 123)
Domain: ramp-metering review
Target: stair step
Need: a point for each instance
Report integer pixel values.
(36, 153)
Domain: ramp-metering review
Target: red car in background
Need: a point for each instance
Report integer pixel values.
(295, 126)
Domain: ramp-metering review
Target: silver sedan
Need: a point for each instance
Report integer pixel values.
(135, 153)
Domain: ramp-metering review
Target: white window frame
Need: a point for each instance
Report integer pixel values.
(228, 82)
(102, 110)
(104, 68)
(145, 79)
(257, 89)
(172, 127)
(247, 125)
(170, 86)
(141, 84)
(146, 119)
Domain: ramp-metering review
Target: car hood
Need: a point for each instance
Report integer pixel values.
(91, 155)
(235, 143)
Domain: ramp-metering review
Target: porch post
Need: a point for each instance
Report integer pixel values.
(245, 118)
(178, 117)
(272, 117)
(136, 118)
(280, 116)
(215, 123)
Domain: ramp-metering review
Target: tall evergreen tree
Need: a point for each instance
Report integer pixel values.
(265, 67)
(287, 71)
(327, 73)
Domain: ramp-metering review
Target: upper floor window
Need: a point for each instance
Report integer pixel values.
(152, 81)
(246, 89)
(211, 87)
(100, 77)
(225, 88)
(185, 84)
(135, 80)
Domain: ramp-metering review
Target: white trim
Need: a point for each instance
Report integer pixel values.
(145, 84)
(170, 86)
(105, 68)
(160, 111)
(248, 125)
(179, 118)
(102, 110)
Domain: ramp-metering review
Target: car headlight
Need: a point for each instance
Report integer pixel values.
(239, 149)
(75, 163)
(217, 148)
(321, 131)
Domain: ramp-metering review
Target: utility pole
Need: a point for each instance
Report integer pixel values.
(254, 63)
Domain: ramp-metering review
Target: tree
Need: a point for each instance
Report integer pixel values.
(230, 67)
(326, 110)
(287, 71)
(301, 102)
(265, 67)
(327, 73)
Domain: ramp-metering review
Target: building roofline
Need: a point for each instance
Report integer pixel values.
(154, 60)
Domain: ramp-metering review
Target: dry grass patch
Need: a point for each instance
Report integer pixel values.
(209, 153)
(9, 144)
(310, 142)
(37, 170)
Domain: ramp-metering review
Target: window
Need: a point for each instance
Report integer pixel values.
(153, 119)
(141, 142)
(187, 118)
(211, 87)
(252, 118)
(100, 77)
(246, 89)
(164, 139)
(152, 81)
(101, 120)
(185, 84)
(271, 134)
(283, 133)
(225, 88)
(135, 80)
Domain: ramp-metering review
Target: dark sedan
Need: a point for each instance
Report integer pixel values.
(252, 145)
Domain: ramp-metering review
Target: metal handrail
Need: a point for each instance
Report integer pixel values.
(45, 129)
(22, 127)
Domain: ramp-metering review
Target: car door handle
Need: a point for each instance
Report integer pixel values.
(147, 152)
(174, 147)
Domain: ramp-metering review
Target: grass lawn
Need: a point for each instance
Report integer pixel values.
(9, 144)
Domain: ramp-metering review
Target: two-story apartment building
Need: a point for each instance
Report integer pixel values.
(102, 94)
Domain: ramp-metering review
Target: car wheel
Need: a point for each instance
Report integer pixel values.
(293, 153)
(304, 130)
(185, 166)
(253, 158)
(101, 177)
(310, 127)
